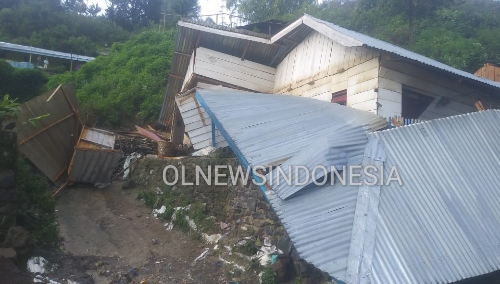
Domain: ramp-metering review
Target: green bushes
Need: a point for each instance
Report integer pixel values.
(21, 84)
(36, 204)
(126, 86)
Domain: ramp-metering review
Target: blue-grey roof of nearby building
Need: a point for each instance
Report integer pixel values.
(268, 129)
(43, 52)
(440, 225)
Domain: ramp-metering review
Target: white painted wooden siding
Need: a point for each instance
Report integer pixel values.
(232, 70)
(314, 55)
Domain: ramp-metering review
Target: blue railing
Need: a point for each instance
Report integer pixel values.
(402, 121)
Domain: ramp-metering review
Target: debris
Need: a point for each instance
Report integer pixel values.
(37, 264)
(148, 134)
(102, 185)
(211, 239)
(169, 226)
(41, 279)
(202, 255)
(162, 210)
(127, 164)
(154, 241)
(204, 152)
(158, 191)
(224, 226)
(219, 263)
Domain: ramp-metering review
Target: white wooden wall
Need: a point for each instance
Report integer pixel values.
(319, 66)
(232, 70)
(318, 54)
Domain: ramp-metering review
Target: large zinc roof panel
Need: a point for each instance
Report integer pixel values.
(342, 146)
(269, 129)
(43, 52)
(319, 222)
(443, 223)
(385, 46)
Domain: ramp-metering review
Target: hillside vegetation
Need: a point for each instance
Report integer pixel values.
(127, 86)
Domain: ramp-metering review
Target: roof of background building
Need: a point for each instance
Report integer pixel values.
(441, 225)
(43, 52)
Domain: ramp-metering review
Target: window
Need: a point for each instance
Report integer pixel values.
(340, 97)
(414, 103)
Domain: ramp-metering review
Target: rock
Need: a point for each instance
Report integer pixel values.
(285, 245)
(251, 204)
(7, 179)
(300, 267)
(295, 255)
(130, 183)
(8, 253)
(17, 237)
(280, 268)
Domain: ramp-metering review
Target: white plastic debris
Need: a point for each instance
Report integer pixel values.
(202, 255)
(157, 212)
(211, 239)
(37, 264)
(169, 226)
(266, 251)
(204, 152)
(127, 162)
(47, 280)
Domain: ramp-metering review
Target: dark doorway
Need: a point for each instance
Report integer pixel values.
(414, 103)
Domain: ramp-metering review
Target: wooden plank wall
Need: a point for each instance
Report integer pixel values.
(197, 122)
(233, 70)
(319, 66)
(489, 71)
(393, 75)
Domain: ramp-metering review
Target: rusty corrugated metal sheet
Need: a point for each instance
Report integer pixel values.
(50, 145)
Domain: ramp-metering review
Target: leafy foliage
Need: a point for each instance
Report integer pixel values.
(21, 84)
(261, 10)
(133, 14)
(7, 108)
(126, 85)
(36, 204)
(47, 24)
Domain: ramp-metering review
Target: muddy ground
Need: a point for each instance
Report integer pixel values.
(109, 236)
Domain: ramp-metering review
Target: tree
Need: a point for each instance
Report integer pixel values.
(261, 10)
(93, 10)
(134, 14)
(186, 8)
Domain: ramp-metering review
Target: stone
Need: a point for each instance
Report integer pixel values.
(251, 204)
(280, 268)
(300, 267)
(7, 179)
(8, 253)
(295, 255)
(285, 245)
(17, 237)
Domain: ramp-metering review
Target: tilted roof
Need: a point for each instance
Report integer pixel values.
(43, 52)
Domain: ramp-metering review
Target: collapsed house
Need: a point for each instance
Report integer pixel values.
(59, 145)
(438, 226)
(314, 58)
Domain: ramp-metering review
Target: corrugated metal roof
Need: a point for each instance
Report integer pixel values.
(268, 129)
(385, 46)
(319, 223)
(344, 145)
(43, 52)
(443, 224)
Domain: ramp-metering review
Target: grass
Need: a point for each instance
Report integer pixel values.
(268, 275)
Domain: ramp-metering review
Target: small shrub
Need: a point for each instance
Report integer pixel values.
(268, 276)
(148, 197)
